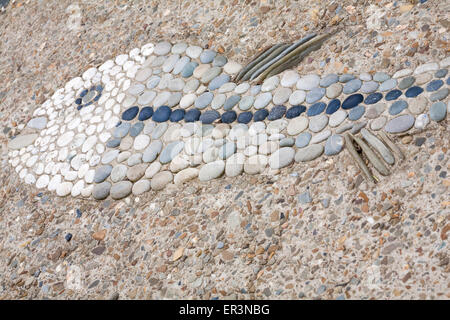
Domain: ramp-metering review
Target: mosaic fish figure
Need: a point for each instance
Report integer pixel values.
(169, 113)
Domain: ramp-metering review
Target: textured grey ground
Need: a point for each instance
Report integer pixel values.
(253, 237)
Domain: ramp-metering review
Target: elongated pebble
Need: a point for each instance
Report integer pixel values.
(309, 153)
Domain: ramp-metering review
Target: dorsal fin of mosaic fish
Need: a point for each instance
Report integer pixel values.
(169, 113)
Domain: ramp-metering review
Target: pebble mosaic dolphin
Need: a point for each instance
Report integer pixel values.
(169, 113)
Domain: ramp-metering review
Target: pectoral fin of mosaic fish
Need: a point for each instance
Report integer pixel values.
(356, 157)
(169, 113)
(372, 157)
(391, 145)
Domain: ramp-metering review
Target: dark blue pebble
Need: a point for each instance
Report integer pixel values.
(79, 101)
(177, 115)
(245, 117)
(413, 92)
(88, 104)
(397, 107)
(99, 88)
(229, 116)
(352, 101)
(392, 95)
(209, 116)
(434, 85)
(260, 115)
(192, 115)
(68, 237)
(356, 113)
(130, 113)
(295, 111)
(448, 81)
(276, 113)
(97, 97)
(333, 106)
(146, 113)
(79, 107)
(373, 98)
(441, 73)
(84, 92)
(79, 213)
(316, 108)
(162, 114)
(113, 143)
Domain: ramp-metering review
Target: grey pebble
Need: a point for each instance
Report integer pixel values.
(328, 80)
(439, 95)
(380, 76)
(352, 86)
(121, 189)
(102, 173)
(101, 191)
